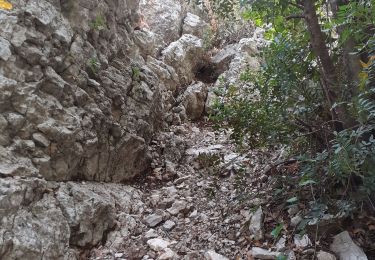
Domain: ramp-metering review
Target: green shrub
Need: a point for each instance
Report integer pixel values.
(269, 109)
(93, 64)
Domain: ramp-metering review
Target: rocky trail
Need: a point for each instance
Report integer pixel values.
(197, 214)
(105, 147)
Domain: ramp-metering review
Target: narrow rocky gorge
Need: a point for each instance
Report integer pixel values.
(104, 150)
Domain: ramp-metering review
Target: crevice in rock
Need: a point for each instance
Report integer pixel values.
(207, 73)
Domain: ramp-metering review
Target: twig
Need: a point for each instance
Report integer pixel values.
(369, 199)
(316, 238)
(287, 161)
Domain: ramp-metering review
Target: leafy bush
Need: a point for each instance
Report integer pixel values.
(349, 160)
(285, 103)
(276, 99)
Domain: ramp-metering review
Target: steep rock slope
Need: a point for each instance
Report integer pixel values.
(81, 95)
(85, 86)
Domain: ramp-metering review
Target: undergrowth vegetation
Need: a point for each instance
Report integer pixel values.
(315, 94)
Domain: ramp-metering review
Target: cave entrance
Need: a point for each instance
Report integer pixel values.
(207, 73)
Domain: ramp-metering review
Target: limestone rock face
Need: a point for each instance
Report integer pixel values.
(77, 99)
(81, 95)
(194, 25)
(164, 18)
(31, 223)
(184, 54)
(35, 222)
(89, 210)
(232, 60)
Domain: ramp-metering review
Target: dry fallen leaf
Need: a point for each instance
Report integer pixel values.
(5, 5)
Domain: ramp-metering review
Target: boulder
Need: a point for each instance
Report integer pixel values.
(194, 100)
(346, 249)
(184, 55)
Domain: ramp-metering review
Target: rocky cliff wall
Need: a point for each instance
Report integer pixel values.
(77, 99)
(85, 86)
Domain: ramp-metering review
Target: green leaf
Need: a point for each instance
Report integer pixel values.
(277, 230)
(281, 257)
(292, 200)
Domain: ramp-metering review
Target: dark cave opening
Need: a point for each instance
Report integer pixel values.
(207, 73)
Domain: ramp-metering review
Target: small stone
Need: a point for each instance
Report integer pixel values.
(193, 214)
(15, 121)
(168, 254)
(256, 224)
(170, 168)
(3, 123)
(291, 255)
(212, 255)
(293, 210)
(325, 256)
(294, 221)
(346, 249)
(153, 220)
(40, 140)
(177, 207)
(158, 244)
(169, 225)
(5, 52)
(181, 180)
(93, 83)
(280, 245)
(303, 241)
(261, 253)
(151, 233)
(119, 255)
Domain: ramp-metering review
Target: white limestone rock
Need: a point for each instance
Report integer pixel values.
(346, 249)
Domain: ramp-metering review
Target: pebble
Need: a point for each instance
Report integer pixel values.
(153, 220)
(261, 253)
(281, 244)
(151, 233)
(256, 224)
(177, 207)
(158, 244)
(294, 221)
(302, 241)
(169, 225)
(212, 255)
(168, 254)
(119, 255)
